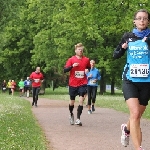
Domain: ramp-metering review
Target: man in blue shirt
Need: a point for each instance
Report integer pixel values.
(27, 85)
(93, 76)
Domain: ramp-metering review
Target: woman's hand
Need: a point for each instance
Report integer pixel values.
(125, 45)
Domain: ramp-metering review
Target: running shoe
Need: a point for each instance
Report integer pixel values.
(93, 108)
(141, 148)
(71, 118)
(124, 136)
(78, 122)
(89, 112)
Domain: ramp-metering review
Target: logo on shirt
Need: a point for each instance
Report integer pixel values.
(130, 39)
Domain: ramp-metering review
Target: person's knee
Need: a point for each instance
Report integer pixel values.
(135, 115)
(71, 102)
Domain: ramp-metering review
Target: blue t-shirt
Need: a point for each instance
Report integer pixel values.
(95, 75)
(27, 83)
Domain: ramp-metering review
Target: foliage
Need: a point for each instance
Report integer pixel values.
(44, 32)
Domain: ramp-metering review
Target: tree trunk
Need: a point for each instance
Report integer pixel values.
(102, 83)
(112, 87)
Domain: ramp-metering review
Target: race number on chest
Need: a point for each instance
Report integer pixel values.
(139, 70)
(79, 74)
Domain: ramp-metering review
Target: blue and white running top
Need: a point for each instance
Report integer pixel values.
(93, 81)
(138, 58)
(138, 61)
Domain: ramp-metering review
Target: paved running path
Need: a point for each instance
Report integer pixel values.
(100, 130)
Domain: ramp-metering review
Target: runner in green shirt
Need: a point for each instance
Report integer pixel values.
(21, 87)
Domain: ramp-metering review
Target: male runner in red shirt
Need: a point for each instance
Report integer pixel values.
(77, 81)
(37, 79)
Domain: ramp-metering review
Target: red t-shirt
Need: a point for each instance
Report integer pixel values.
(13, 85)
(36, 79)
(77, 74)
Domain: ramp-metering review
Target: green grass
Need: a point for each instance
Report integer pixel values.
(19, 128)
(115, 102)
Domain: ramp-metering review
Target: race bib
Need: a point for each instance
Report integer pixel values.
(139, 70)
(36, 80)
(79, 74)
(92, 82)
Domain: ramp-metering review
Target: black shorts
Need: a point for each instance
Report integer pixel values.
(26, 89)
(80, 90)
(138, 90)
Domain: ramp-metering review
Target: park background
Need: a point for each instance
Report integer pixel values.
(43, 33)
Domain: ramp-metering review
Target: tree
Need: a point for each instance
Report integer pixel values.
(44, 32)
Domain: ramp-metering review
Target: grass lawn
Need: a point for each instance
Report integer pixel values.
(19, 128)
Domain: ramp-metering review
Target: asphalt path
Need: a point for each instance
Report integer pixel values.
(100, 130)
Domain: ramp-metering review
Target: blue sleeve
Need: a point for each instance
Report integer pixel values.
(99, 75)
(87, 74)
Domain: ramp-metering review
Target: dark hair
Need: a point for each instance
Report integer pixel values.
(142, 10)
